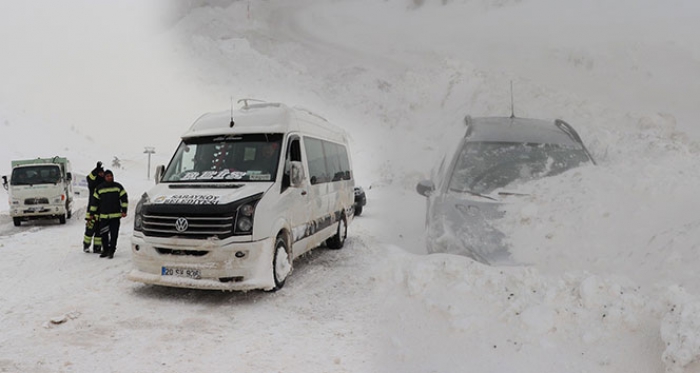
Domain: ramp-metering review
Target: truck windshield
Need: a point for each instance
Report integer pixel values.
(252, 157)
(30, 175)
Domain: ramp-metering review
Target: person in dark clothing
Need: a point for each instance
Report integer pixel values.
(266, 161)
(109, 204)
(94, 178)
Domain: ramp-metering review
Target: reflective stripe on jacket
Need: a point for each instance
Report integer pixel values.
(109, 201)
(93, 180)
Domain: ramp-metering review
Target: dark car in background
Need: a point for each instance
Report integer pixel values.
(494, 157)
(360, 200)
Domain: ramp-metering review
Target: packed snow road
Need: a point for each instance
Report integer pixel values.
(79, 313)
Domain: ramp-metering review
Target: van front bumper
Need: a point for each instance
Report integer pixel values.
(203, 264)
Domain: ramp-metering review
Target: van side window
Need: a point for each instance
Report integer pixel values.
(344, 162)
(328, 161)
(293, 155)
(316, 160)
(295, 151)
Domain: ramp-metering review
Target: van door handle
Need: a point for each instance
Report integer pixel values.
(303, 192)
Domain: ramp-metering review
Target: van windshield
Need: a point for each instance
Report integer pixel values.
(252, 157)
(30, 175)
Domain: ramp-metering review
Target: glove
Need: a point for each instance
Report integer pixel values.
(99, 164)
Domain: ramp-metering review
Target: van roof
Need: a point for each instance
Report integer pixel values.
(265, 118)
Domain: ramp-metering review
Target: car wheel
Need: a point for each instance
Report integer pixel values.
(358, 210)
(338, 241)
(62, 219)
(281, 263)
(17, 221)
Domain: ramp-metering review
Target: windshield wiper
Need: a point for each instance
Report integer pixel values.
(474, 193)
(512, 194)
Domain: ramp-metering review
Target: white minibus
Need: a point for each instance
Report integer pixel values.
(246, 193)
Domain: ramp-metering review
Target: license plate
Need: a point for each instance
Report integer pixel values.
(181, 272)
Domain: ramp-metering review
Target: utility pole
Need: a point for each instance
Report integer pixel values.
(149, 150)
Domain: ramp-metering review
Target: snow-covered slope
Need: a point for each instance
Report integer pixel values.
(607, 281)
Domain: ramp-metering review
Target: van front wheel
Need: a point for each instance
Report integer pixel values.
(336, 242)
(281, 263)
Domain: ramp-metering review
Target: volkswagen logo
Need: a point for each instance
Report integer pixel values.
(181, 224)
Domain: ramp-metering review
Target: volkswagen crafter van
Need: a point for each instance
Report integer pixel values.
(246, 193)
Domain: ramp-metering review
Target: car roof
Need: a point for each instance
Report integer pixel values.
(518, 130)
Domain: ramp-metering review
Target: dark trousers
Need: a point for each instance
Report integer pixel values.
(109, 230)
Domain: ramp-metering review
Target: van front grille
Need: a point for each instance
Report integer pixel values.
(196, 227)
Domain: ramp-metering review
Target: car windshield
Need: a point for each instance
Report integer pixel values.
(225, 158)
(30, 175)
(483, 167)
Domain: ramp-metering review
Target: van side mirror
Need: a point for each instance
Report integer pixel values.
(160, 170)
(297, 174)
(69, 176)
(425, 188)
(4, 182)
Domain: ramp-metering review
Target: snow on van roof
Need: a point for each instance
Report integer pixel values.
(265, 118)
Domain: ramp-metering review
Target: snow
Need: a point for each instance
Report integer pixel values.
(604, 276)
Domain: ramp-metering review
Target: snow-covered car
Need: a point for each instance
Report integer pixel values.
(360, 200)
(495, 157)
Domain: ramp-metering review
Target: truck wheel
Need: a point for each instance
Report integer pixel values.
(281, 263)
(336, 242)
(17, 221)
(62, 219)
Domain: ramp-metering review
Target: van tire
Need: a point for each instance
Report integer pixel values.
(62, 219)
(338, 240)
(17, 221)
(281, 263)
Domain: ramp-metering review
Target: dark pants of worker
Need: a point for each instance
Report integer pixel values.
(91, 229)
(109, 230)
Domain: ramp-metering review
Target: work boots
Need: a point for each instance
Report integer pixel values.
(108, 253)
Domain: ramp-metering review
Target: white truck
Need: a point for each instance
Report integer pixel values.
(40, 188)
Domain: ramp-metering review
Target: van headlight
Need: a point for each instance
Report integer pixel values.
(245, 214)
(138, 213)
(243, 225)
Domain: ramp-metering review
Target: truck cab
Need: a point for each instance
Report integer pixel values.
(40, 188)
